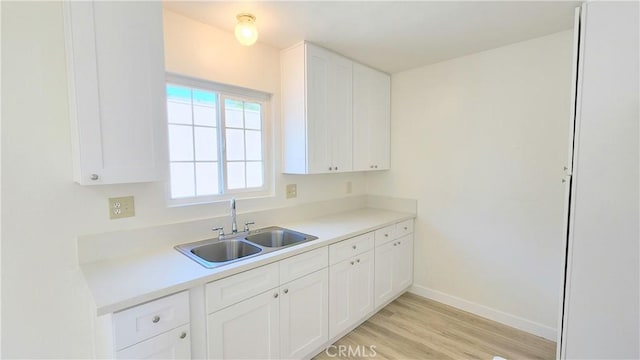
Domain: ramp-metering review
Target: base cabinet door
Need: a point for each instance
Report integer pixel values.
(174, 344)
(384, 260)
(246, 330)
(304, 315)
(394, 268)
(403, 263)
(350, 292)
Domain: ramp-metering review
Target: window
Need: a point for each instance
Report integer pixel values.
(216, 141)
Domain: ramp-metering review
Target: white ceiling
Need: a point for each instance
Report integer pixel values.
(391, 35)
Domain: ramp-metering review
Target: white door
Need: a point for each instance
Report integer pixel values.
(602, 285)
(384, 264)
(118, 91)
(371, 118)
(403, 263)
(173, 344)
(340, 293)
(362, 286)
(319, 109)
(246, 330)
(341, 139)
(304, 314)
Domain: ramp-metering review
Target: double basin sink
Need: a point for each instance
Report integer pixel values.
(214, 252)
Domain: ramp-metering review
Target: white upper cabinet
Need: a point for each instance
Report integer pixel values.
(317, 111)
(371, 118)
(117, 96)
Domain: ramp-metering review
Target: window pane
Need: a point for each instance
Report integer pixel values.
(207, 178)
(252, 116)
(180, 143)
(235, 175)
(233, 113)
(205, 98)
(178, 94)
(178, 113)
(206, 143)
(235, 144)
(254, 174)
(254, 145)
(205, 115)
(182, 184)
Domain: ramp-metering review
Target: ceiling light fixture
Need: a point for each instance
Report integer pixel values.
(246, 31)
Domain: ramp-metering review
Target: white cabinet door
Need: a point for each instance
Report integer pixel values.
(403, 263)
(174, 344)
(384, 264)
(350, 292)
(304, 315)
(329, 104)
(247, 330)
(340, 296)
(393, 268)
(371, 118)
(362, 285)
(322, 129)
(319, 108)
(117, 91)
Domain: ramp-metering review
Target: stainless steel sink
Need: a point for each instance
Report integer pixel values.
(212, 253)
(225, 250)
(277, 237)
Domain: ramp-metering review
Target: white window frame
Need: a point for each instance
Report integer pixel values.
(224, 92)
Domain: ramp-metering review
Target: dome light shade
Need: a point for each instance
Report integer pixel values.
(246, 31)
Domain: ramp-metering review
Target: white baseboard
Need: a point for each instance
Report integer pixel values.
(487, 312)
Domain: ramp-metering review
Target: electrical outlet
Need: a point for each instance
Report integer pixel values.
(292, 191)
(121, 207)
(349, 187)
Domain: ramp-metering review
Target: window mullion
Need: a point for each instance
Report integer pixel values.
(222, 149)
(193, 145)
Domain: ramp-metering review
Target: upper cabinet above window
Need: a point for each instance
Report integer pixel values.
(335, 113)
(117, 97)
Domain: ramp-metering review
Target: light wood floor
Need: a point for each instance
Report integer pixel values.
(413, 327)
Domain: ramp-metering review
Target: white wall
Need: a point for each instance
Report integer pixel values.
(480, 142)
(47, 309)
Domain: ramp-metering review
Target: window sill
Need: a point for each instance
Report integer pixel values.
(173, 203)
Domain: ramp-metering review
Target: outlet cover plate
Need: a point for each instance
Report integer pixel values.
(292, 191)
(121, 207)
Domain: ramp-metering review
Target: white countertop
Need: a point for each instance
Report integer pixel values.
(120, 283)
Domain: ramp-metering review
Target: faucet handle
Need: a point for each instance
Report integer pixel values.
(246, 225)
(220, 231)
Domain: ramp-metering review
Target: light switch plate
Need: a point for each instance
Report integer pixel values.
(349, 187)
(292, 191)
(121, 207)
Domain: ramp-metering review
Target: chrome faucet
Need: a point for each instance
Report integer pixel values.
(234, 225)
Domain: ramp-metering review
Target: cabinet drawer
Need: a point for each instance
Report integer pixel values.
(385, 234)
(350, 247)
(236, 288)
(174, 344)
(303, 264)
(404, 228)
(144, 321)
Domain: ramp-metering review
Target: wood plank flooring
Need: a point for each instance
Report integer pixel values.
(413, 327)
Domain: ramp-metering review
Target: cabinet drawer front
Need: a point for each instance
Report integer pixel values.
(303, 264)
(350, 247)
(174, 344)
(236, 288)
(144, 321)
(385, 234)
(404, 228)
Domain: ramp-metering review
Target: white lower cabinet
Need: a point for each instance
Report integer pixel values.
(304, 324)
(246, 330)
(393, 268)
(290, 320)
(350, 292)
(158, 329)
